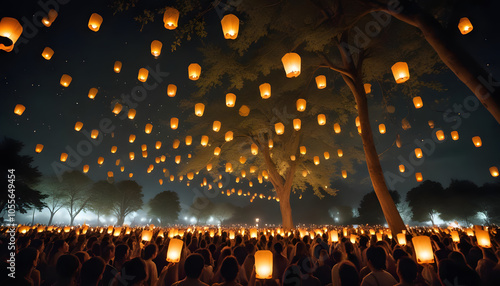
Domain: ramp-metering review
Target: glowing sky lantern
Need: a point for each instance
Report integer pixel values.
(296, 124)
(216, 126)
(454, 135)
(440, 135)
(171, 90)
(321, 81)
(401, 237)
(114, 149)
(64, 157)
(244, 111)
(117, 108)
(131, 113)
(230, 26)
(174, 123)
(302, 150)
(401, 168)
(254, 149)
(270, 144)
(418, 153)
(340, 153)
(170, 18)
(65, 80)
(301, 104)
(19, 109)
(494, 171)
(326, 155)
(176, 143)
(228, 136)
(265, 90)
(209, 167)
(12, 29)
(156, 48)
(39, 148)
(117, 67)
(144, 147)
(92, 93)
(178, 159)
(94, 133)
(344, 174)
(47, 53)
(304, 173)
(230, 99)
(243, 159)
(291, 63)
(143, 75)
(110, 174)
(131, 138)
(477, 141)
(204, 140)
(381, 128)
(263, 264)
(417, 101)
(368, 88)
(148, 128)
(229, 167)
(336, 128)
(279, 128)
(423, 249)
(419, 177)
(199, 109)
(189, 140)
(95, 22)
(100, 160)
(316, 160)
(401, 72)
(78, 126)
(217, 151)
(465, 26)
(321, 119)
(194, 71)
(50, 18)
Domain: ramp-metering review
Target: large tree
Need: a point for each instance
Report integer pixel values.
(18, 170)
(165, 206)
(426, 201)
(76, 186)
(461, 201)
(128, 199)
(488, 202)
(369, 209)
(54, 190)
(102, 196)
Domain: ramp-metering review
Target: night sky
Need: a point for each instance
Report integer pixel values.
(52, 110)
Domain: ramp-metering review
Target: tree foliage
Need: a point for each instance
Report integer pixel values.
(76, 197)
(369, 209)
(426, 200)
(127, 199)
(54, 190)
(102, 196)
(165, 206)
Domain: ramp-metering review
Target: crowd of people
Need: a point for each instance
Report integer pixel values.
(50, 258)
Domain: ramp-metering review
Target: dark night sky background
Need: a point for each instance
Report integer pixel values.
(51, 110)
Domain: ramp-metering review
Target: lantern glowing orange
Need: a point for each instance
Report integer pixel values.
(64, 157)
(110, 174)
(146, 235)
(131, 113)
(454, 236)
(340, 153)
(280, 128)
(254, 149)
(174, 250)
(228, 136)
(131, 138)
(381, 128)
(401, 238)
(50, 18)
(95, 22)
(423, 249)
(230, 26)
(321, 81)
(189, 140)
(301, 104)
(296, 124)
(368, 88)
(131, 155)
(336, 128)
(230, 99)
(199, 109)
(65, 80)
(194, 71)
(176, 143)
(483, 238)
(94, 133)
(326, 155)
(401, 72)
(454, 135)
(321, 119)
(265, 90)
(178, 159)
(344, 174)
(92, 93)
(440, 135)
(402, 168)
(302, 150)
(216, 126)
(204, 140)
(209, 167)
(171, 90)
(316, 160)
(143, 75)
(334, 236)
(494, 171)
(156, 48)
(85, 169)
(174, 123)
(38, 148)
(10, 28)
(170, 18)
(270, 143)
(263, 264)
(465, 26)
(117, 67)
(419, 177)
(217, 151)
(291, 63)
(477, 141)
(19, 109)
(417, 101)
(229, 167)
(113, 149)
(100, 160)
(418, 153)
(117, 108)
(47, 53)
(244, 111)
(148, 128)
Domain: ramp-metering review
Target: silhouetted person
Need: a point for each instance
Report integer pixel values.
(376, 259)
(279, 261)
(107, 254)
(133, 273)
(229, 271)
(67, 270)
(150, 253)
(26, 261)
(407, 271)
(92, 271)
(348, 274)
(193, 267)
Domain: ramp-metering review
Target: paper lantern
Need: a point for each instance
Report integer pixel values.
(419, 177)
(176, 143)
(401, 238)
(131, 113)
(244, 111)
(229, 167)
(454, 135)
(423, 249)
(417, 101)
(418, 153)
(178, 159)
(254, 149)
(156, 48)
(270, 143)
(171, 90)
(190, 175)
(113, 149)
(265, 90)
(92, 93)
(209, 167)
(50, 18)
(301, 104)
(344, 174)
(85, 169)
(194, 71)
(144, 147)
(47, 53)
(401, 72)
(95, 22)
(358, 123)
(280, 128)
(146, 235)
(336, 128)
(291, 63)
(174, 123)
(131, 138)
(216, 126)
(494, 171)
(340, 153)
(19, 109)
(454, 236)
(204, 140)
(326, 155)
(263, 264)
(302, 150)
(110, 174)
(334, 236)
(145, 154)
(477, 141)
(143, 75)
(100, 160)
(38, 148)
(189, 140)
(65, 80)
(465, 26)
(228, 136)
(316, 160)
(230, 26)
(440, 135)
(321, 81)
(431, 124)
(10, 28)
(230, 99)
(381, 128)
(131, 155)
(368, 88)
(117, 163)
(483, 238)
(353, 238)
(94, 133)
(402, 168)
(170, 18)
(117, 67)
(199, 108)
(321, 119)
(296, 124)
(217, 151)
(64, 157)
(148, 128)
(117, 108)
(174, 250)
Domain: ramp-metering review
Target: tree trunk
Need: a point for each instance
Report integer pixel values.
(120, 220)
(33, 217)
(51, 217)
(461, 63)
(72, 218)
(98, 218)
(286, 212)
